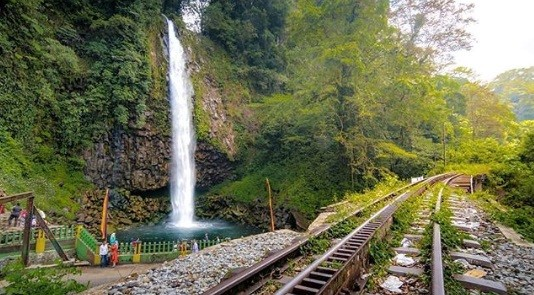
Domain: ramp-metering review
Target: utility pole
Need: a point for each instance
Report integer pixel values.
(444, 159)
(270, 202)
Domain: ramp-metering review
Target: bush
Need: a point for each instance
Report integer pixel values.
(50, 281)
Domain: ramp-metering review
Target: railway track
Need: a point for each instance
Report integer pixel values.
(436, 265)
(408, 265)
(338, 269)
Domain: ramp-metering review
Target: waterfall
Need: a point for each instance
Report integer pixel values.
(183, 135)
(192, 14)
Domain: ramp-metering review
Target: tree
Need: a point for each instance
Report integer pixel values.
(250, 31)
(345, 58)
(517, 87)
(489, 117)
(432, 29)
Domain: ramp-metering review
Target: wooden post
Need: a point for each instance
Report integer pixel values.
(270, 202)
(104, 222)
(27, 231)
(41, 223)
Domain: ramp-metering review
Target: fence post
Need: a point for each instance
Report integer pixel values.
(40, 242)
(137, 253)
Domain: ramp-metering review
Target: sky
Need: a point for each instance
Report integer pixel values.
(504, 37)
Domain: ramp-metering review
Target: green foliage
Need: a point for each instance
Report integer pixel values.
(55, 184)
(40, 280)
(481, 151)
(250, 32)
(520, 218)
(380, 252)
(307, 188)
(74, 71)
(514, 178)
(343, 228)
(517, 87)
(314, 246)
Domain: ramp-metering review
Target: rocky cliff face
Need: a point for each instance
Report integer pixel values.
(124, 210)
(213, 167)
(139, 160)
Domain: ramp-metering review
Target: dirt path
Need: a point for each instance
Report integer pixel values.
(97, 276)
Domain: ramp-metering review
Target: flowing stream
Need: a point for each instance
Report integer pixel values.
(183, 135)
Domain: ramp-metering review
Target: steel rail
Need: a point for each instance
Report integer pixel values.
(353, 243)
(305, 273)
(228, 285)
(438, 282)
(319, 231)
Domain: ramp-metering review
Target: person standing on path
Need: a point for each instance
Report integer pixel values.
(115, 253)
(104, 254)
(183, 248)
(15, 212)
(195, 246)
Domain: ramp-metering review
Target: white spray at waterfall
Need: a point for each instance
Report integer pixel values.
(183, 136)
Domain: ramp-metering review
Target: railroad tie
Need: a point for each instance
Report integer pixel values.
(405, 271)
(413, 237)
(472, 259)
(463, 228)
(320, 276)
(481, 284)
(407, 250)
(300, 289)
(471, 244)
(313, 283)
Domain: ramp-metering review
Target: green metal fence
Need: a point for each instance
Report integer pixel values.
(164, 246)
(87, 245)
(15, 238)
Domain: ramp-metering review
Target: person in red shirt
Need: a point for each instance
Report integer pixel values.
(115, 253)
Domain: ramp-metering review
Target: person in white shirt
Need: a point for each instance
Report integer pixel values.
(195, 246)
(103, 254)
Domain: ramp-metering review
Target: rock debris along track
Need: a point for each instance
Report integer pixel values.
(511, 264)
(196, 273)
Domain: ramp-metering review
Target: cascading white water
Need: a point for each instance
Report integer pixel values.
(183, 135)
(192, 13)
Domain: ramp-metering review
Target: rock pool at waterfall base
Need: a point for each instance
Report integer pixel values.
(168, 232)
